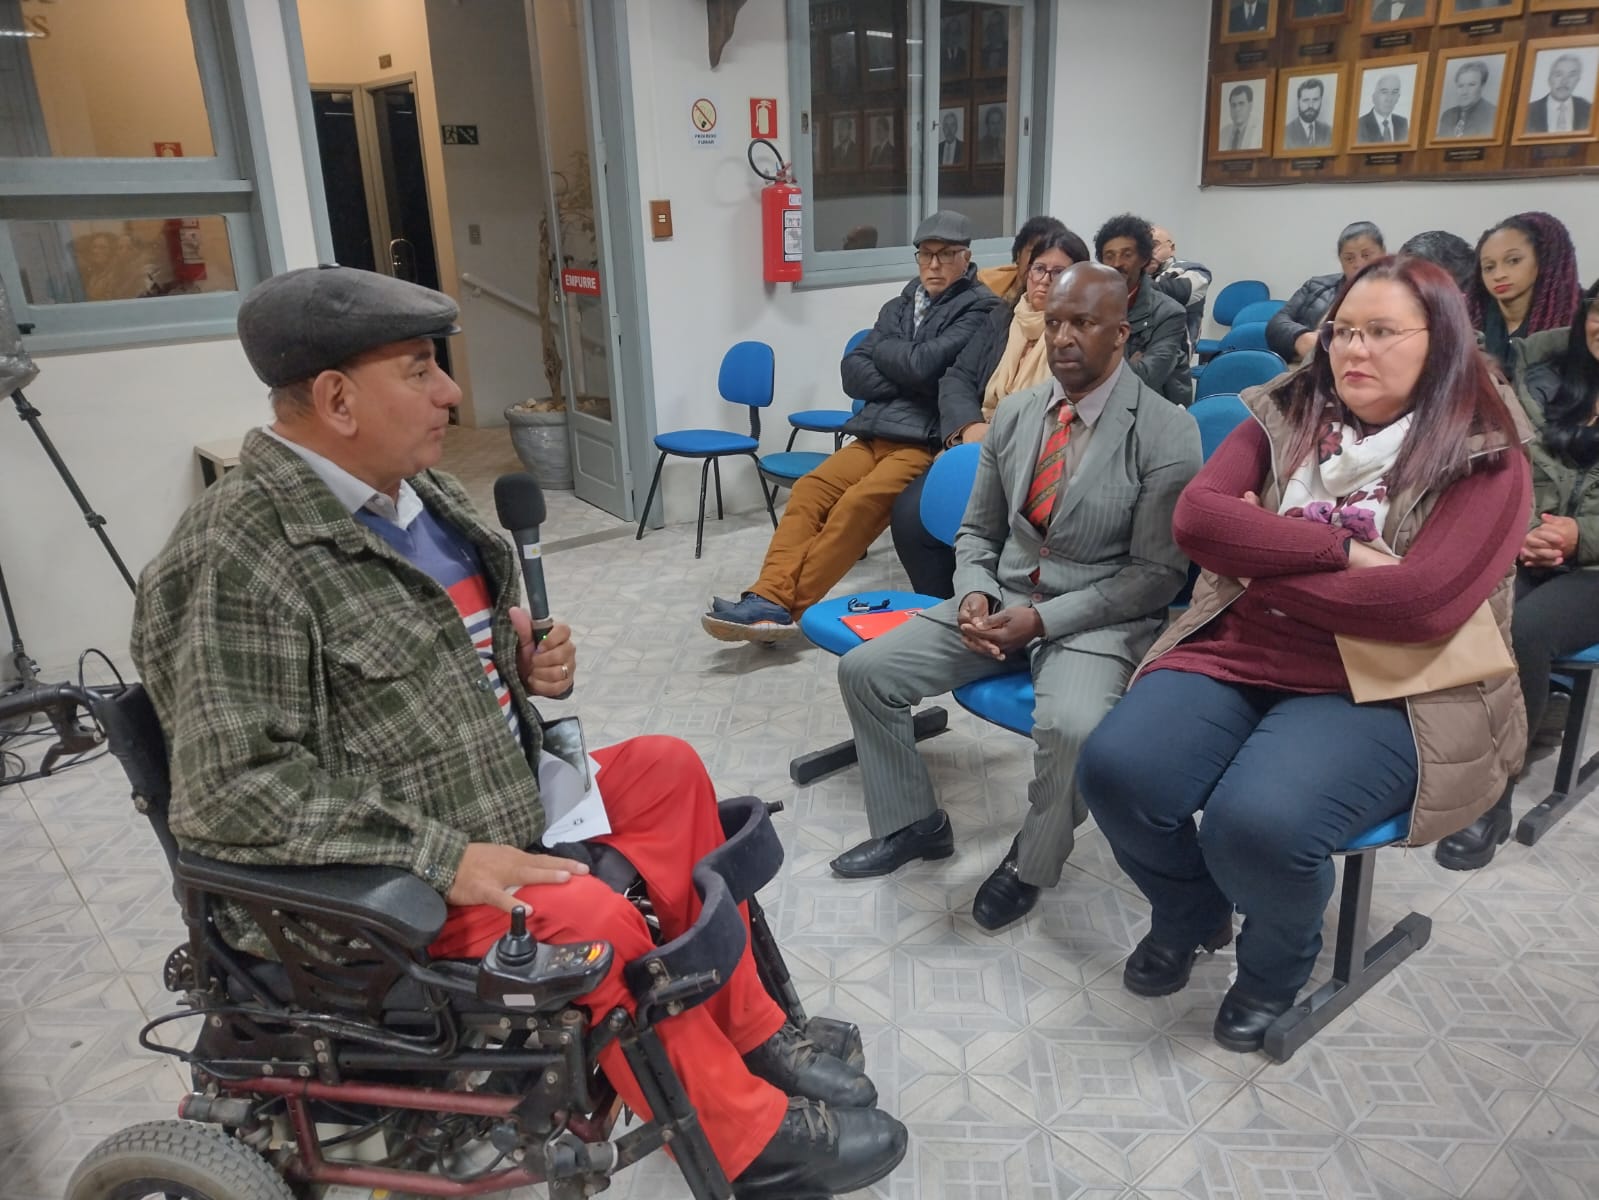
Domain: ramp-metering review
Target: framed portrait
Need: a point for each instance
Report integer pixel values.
(993, 125)
(1389, 16)
(1385, 103)
(882, 61)
(955, 46)
(843, 69)
(1316, 12)
(1241, 108)
(885, 149)
(844, 142)
(1557, 91)
(952, 137)
(993, 43)
(1458, 12)
(1559, 5)
(1309, 103)
(1472, 91)
(1249, 20)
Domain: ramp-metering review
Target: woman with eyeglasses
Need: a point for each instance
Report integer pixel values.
(1006, 355)
(1557, 576)
(1379, 492)
(1526, 282)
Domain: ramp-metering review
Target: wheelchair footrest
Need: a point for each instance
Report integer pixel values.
(841, 1039)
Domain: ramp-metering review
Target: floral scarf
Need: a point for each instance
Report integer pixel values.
(1342, 483)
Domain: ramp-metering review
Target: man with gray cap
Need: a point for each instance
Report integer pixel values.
(330, 642)
(838, 510)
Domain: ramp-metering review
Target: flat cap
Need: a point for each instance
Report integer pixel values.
(300, 323)
(946, 225)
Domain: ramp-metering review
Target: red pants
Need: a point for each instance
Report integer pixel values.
(663, 815)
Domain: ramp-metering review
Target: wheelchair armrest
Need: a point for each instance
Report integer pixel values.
(750, 857)
(386, 900)
(691, 968)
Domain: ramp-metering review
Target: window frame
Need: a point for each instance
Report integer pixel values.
(233, 183)
(886, 264)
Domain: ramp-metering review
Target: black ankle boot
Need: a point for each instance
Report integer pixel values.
(1473, 847)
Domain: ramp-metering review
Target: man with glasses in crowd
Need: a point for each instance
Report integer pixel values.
(838, 510)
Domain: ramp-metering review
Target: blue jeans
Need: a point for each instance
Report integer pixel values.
(1284, 779)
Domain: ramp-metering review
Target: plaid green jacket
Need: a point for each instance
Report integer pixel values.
(321, 698)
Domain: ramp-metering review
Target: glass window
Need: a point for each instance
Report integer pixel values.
(77, 262)
(979, 84)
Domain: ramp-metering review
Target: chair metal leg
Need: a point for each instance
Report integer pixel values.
(1357, 966)
(716, 471)
(1572, 772)
(655, 482)
(792, 434)
(699, 530)
(808, 768)
(838, 441)
(765, 495)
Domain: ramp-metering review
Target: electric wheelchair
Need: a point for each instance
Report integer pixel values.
(356, 1062)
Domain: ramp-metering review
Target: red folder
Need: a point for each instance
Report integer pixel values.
(867, 626)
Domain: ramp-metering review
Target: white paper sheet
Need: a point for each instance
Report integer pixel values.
(570, 813)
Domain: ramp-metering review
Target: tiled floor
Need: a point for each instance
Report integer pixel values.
(1019, 1063)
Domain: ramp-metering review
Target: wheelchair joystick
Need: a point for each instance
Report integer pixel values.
(516, 949)
(523, 973)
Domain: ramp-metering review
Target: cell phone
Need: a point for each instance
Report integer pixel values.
(563, 738)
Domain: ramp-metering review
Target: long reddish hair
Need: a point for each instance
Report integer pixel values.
(1556, 288)
(1455, 396)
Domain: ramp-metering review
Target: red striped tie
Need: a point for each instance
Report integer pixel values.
(1051, 465)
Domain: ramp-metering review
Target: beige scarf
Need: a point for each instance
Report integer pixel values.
(1025, 361)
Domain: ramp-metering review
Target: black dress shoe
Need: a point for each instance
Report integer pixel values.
(1473, 847)
(791, 1061)
(819, 1151)
(1242, 1020)
(1156, 970)
(1004, 898)
(930, 838)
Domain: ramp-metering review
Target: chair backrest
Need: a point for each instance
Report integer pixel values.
(1217, 416)
(1234, 296)
(948, 488)
(855, 339)
(748, 374)
(1260, 310)
(134, 737)
(1236, 371)
(1244, 336)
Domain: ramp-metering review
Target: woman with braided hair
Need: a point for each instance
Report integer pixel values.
(1526, 282)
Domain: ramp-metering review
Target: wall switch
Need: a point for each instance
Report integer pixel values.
(660, 219)
(474, 234)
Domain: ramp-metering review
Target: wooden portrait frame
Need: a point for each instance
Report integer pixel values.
(1358, 97)
(1449, 15)
(975, 140)
(1256, 35)
(1369, 25)
(1287, 94)
(867, 118)
(1220, 85)
(1294, 22)
(1560, 5)
(963, 18)
(836, 165)
(834, 74)
(871, 80)
(978, 70)
(1443, 70)
(1529, 80)
(965, 108)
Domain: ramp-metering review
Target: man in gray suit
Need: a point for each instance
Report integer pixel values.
(1064, 566)
(1561, 111)
(1308, 131)
(1380, 124)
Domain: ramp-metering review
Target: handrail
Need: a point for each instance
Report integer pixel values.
(504, 297)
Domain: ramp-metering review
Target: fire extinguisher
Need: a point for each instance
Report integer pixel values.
(782, 227)
(183, 248)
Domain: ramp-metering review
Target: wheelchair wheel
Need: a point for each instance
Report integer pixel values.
(175, 1160)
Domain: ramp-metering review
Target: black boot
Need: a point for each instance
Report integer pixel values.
(791, 1061)
(1156, 970)
(1473, 847)
(1242, 1020)
(821, 1151)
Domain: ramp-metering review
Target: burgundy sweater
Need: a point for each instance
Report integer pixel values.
(1279, 633)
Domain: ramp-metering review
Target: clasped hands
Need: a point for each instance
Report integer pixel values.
(1550, 543)
(488, 872)
(996, 634)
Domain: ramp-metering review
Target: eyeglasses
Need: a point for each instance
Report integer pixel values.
(1375, 336)
(951, 256)
(1041, 272)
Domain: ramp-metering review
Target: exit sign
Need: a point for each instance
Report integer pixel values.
(460, 135)
(580, 283)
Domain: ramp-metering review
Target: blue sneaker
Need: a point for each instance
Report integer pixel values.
(752, 619)
(719, 606)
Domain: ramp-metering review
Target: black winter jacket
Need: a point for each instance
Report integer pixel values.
(1302, 314)
(896, 370)
(960, 392)
(1157, 346)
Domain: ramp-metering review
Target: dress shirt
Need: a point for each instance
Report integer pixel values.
(355, 494)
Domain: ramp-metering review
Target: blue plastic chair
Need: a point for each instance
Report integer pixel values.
(785, 469)
(1260, 310)
(1217, 416)
(1242, 336)
(827, 420)
(1227, 305)
(1572, 771)
(748, 376)
(944, 497)
(1238, 370)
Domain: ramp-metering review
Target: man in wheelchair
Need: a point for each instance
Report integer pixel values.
(330, 644)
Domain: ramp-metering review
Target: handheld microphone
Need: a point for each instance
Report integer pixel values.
(519, 502)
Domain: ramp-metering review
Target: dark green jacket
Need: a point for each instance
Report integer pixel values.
(321, 696)
(1558, 486)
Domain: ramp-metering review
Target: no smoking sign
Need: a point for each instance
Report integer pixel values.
(703, 121)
